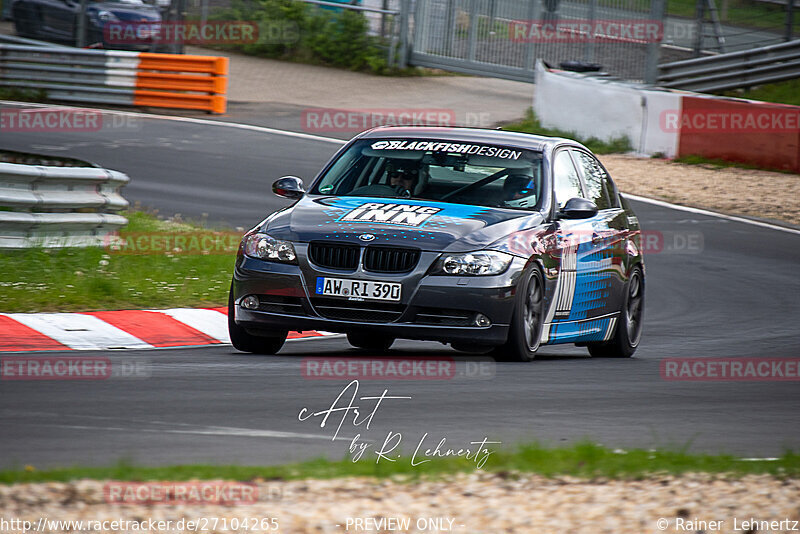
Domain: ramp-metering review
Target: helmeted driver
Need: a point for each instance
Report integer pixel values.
(519, 191)
(403, 176)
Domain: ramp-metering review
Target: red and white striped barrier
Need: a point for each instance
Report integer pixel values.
(124, 329)
(668, 122)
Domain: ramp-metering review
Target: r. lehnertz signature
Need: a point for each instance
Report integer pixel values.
(477, 452)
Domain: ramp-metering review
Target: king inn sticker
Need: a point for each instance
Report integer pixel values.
(402, 214)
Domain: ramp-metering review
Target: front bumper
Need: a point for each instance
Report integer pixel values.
(437, 308)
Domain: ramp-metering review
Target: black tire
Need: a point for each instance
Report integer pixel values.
(245, 342)
(525, 333)
(372, 342)
(628, 332)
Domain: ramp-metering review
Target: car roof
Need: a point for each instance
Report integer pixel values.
(474, 135)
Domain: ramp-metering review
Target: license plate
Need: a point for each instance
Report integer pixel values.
(358, 289)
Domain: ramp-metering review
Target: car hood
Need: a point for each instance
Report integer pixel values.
(432, 226)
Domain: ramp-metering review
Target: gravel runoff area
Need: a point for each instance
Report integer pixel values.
(732, 190)
(472, 503)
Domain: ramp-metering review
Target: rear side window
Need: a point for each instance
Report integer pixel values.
(595, 179)
(565, 179)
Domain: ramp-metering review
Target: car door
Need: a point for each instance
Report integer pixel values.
(609, 229)
(581, 289)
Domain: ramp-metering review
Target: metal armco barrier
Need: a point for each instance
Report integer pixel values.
(734, 70)
(59, 206)
(118, 77)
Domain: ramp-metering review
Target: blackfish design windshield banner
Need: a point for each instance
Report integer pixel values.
(455, 148)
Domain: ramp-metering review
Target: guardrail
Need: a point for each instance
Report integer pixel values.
(59, 206)
(13, 39)
(734, 70)
(118, 77)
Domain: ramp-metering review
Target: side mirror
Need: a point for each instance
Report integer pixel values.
(578, 208)
(289, 187)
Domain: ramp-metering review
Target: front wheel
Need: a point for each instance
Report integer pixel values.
(628, 331)
(525, 333)
(245, 342)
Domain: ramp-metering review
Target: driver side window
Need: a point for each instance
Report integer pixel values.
(566, 183)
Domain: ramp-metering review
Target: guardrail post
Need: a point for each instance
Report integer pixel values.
(80, 40)
(530, 47)
(473, 30)
(789, 20)
(405, 9)
(657, 12)
(588, 51)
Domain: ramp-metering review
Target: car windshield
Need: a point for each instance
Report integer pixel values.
(445, 171)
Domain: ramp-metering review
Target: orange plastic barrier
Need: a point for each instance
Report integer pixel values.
(162, 99)
(181, 82)
(162, 81)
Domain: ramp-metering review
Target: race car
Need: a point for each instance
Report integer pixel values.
(484, 239)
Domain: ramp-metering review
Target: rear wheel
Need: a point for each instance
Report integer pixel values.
(246, 342)
(525, 333)
(629, 325)
(373, 342)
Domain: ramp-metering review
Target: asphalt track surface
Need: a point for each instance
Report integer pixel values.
(734, 296)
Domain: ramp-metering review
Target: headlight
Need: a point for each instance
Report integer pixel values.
(484, 262)
(265, 247)
(107, 16)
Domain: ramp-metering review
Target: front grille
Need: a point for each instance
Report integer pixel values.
(366, 312)
(281, 304)
(443, 317)
(334, 255)
(390, 260)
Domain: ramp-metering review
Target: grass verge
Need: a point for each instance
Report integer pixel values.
(584, 460)
(530, 124)
(780, 93)
(20, 94)
(740, 12)
(693, 159)
(159, 264)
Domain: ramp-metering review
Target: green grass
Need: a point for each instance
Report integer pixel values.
(22, 95)
(27, 158)
(740, 12)
(99, 278)
(693, 159)
(584, 460)
(781, 93)
(531, 124)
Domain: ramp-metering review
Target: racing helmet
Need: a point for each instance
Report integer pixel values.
(405, 170)
(519, 191)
